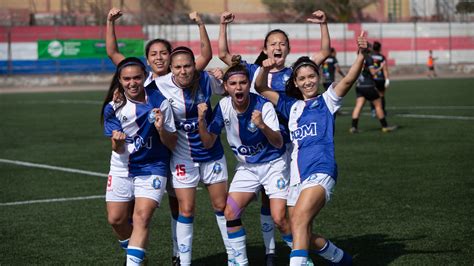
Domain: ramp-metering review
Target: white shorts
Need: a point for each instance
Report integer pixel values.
(272, 176)
(187, 174)
(125, 189)
(324, 180)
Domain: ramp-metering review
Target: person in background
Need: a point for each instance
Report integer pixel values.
(329, 68)
(381, 75)
(431, 65)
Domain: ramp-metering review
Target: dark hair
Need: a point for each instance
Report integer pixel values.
(377, 46)
(262, 56)
(115, 83)
(182, 50)
(333, 50)
(235, 68)
(166, 43)
(291, 89)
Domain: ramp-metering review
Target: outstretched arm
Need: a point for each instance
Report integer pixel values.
(346, 83)
(208, 139)
(320, 18)
(110, 38)
(224, 53)
(261, 81)
(206, 51)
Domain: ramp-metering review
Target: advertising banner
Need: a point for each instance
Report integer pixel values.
(73, 49)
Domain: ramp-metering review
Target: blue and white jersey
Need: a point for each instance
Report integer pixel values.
(184, 103)
(149, 79)
(248, 143)
(311, 124)
(144, 153)
(276, 80)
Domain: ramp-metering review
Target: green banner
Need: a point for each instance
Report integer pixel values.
(73, 49)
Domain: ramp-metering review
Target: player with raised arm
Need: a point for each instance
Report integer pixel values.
(191, 162)
(311, 122)
(276, 45)
(157, 53)
(253, 133)
(142, 132)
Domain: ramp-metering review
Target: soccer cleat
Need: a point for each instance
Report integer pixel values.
(270, 259)
(353, 130)
(346, 260)
(389, 129)
(175, 261)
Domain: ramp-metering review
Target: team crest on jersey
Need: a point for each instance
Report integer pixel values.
(226, 122)
(251, 127)
(151, 117)
(171, 101)
(281, 183)
(156, 183)
(217, 168)
(286, 77)
(314, 104)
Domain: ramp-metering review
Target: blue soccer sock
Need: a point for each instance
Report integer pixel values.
(135, 256)
(124, 243)
(237, 241)
(288, 240)
(331, 252)
(298, 257)
(184, 234)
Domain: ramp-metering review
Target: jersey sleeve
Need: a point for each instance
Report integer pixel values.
(284, 105)
(111, 122)
(269, 116)
(216, 85)
(333, 102)
(168, 117)
(217, 122)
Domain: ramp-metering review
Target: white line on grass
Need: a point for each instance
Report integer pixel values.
(437, 116)
(51, 200)
(50, 167)
(57, 168)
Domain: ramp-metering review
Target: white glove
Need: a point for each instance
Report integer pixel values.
(387, 83)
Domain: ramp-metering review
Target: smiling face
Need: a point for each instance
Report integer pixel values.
(183, 69)
(306, 81)
(132, 78)
(158, 58)
(238, 87)
(277, 48)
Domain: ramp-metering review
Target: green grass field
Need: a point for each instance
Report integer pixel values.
(404, 198)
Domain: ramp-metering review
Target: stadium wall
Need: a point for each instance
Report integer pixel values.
(403, 43)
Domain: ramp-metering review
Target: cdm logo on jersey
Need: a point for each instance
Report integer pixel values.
(249, 150)
(139, 142)
(304, 131)
(187, 126)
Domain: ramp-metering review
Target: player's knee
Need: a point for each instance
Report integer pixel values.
(219, 206)
(279, 221)
(141, 218)
(232, 209)
(116, 219)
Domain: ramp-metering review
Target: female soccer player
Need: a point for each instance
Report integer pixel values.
(381, 75)
(191, 162)
(142, 132)
(313, 166)
(276, 45)
(157, 52)
(253, 133)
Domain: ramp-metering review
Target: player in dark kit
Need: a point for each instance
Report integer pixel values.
(329, 68)
(381, 76)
